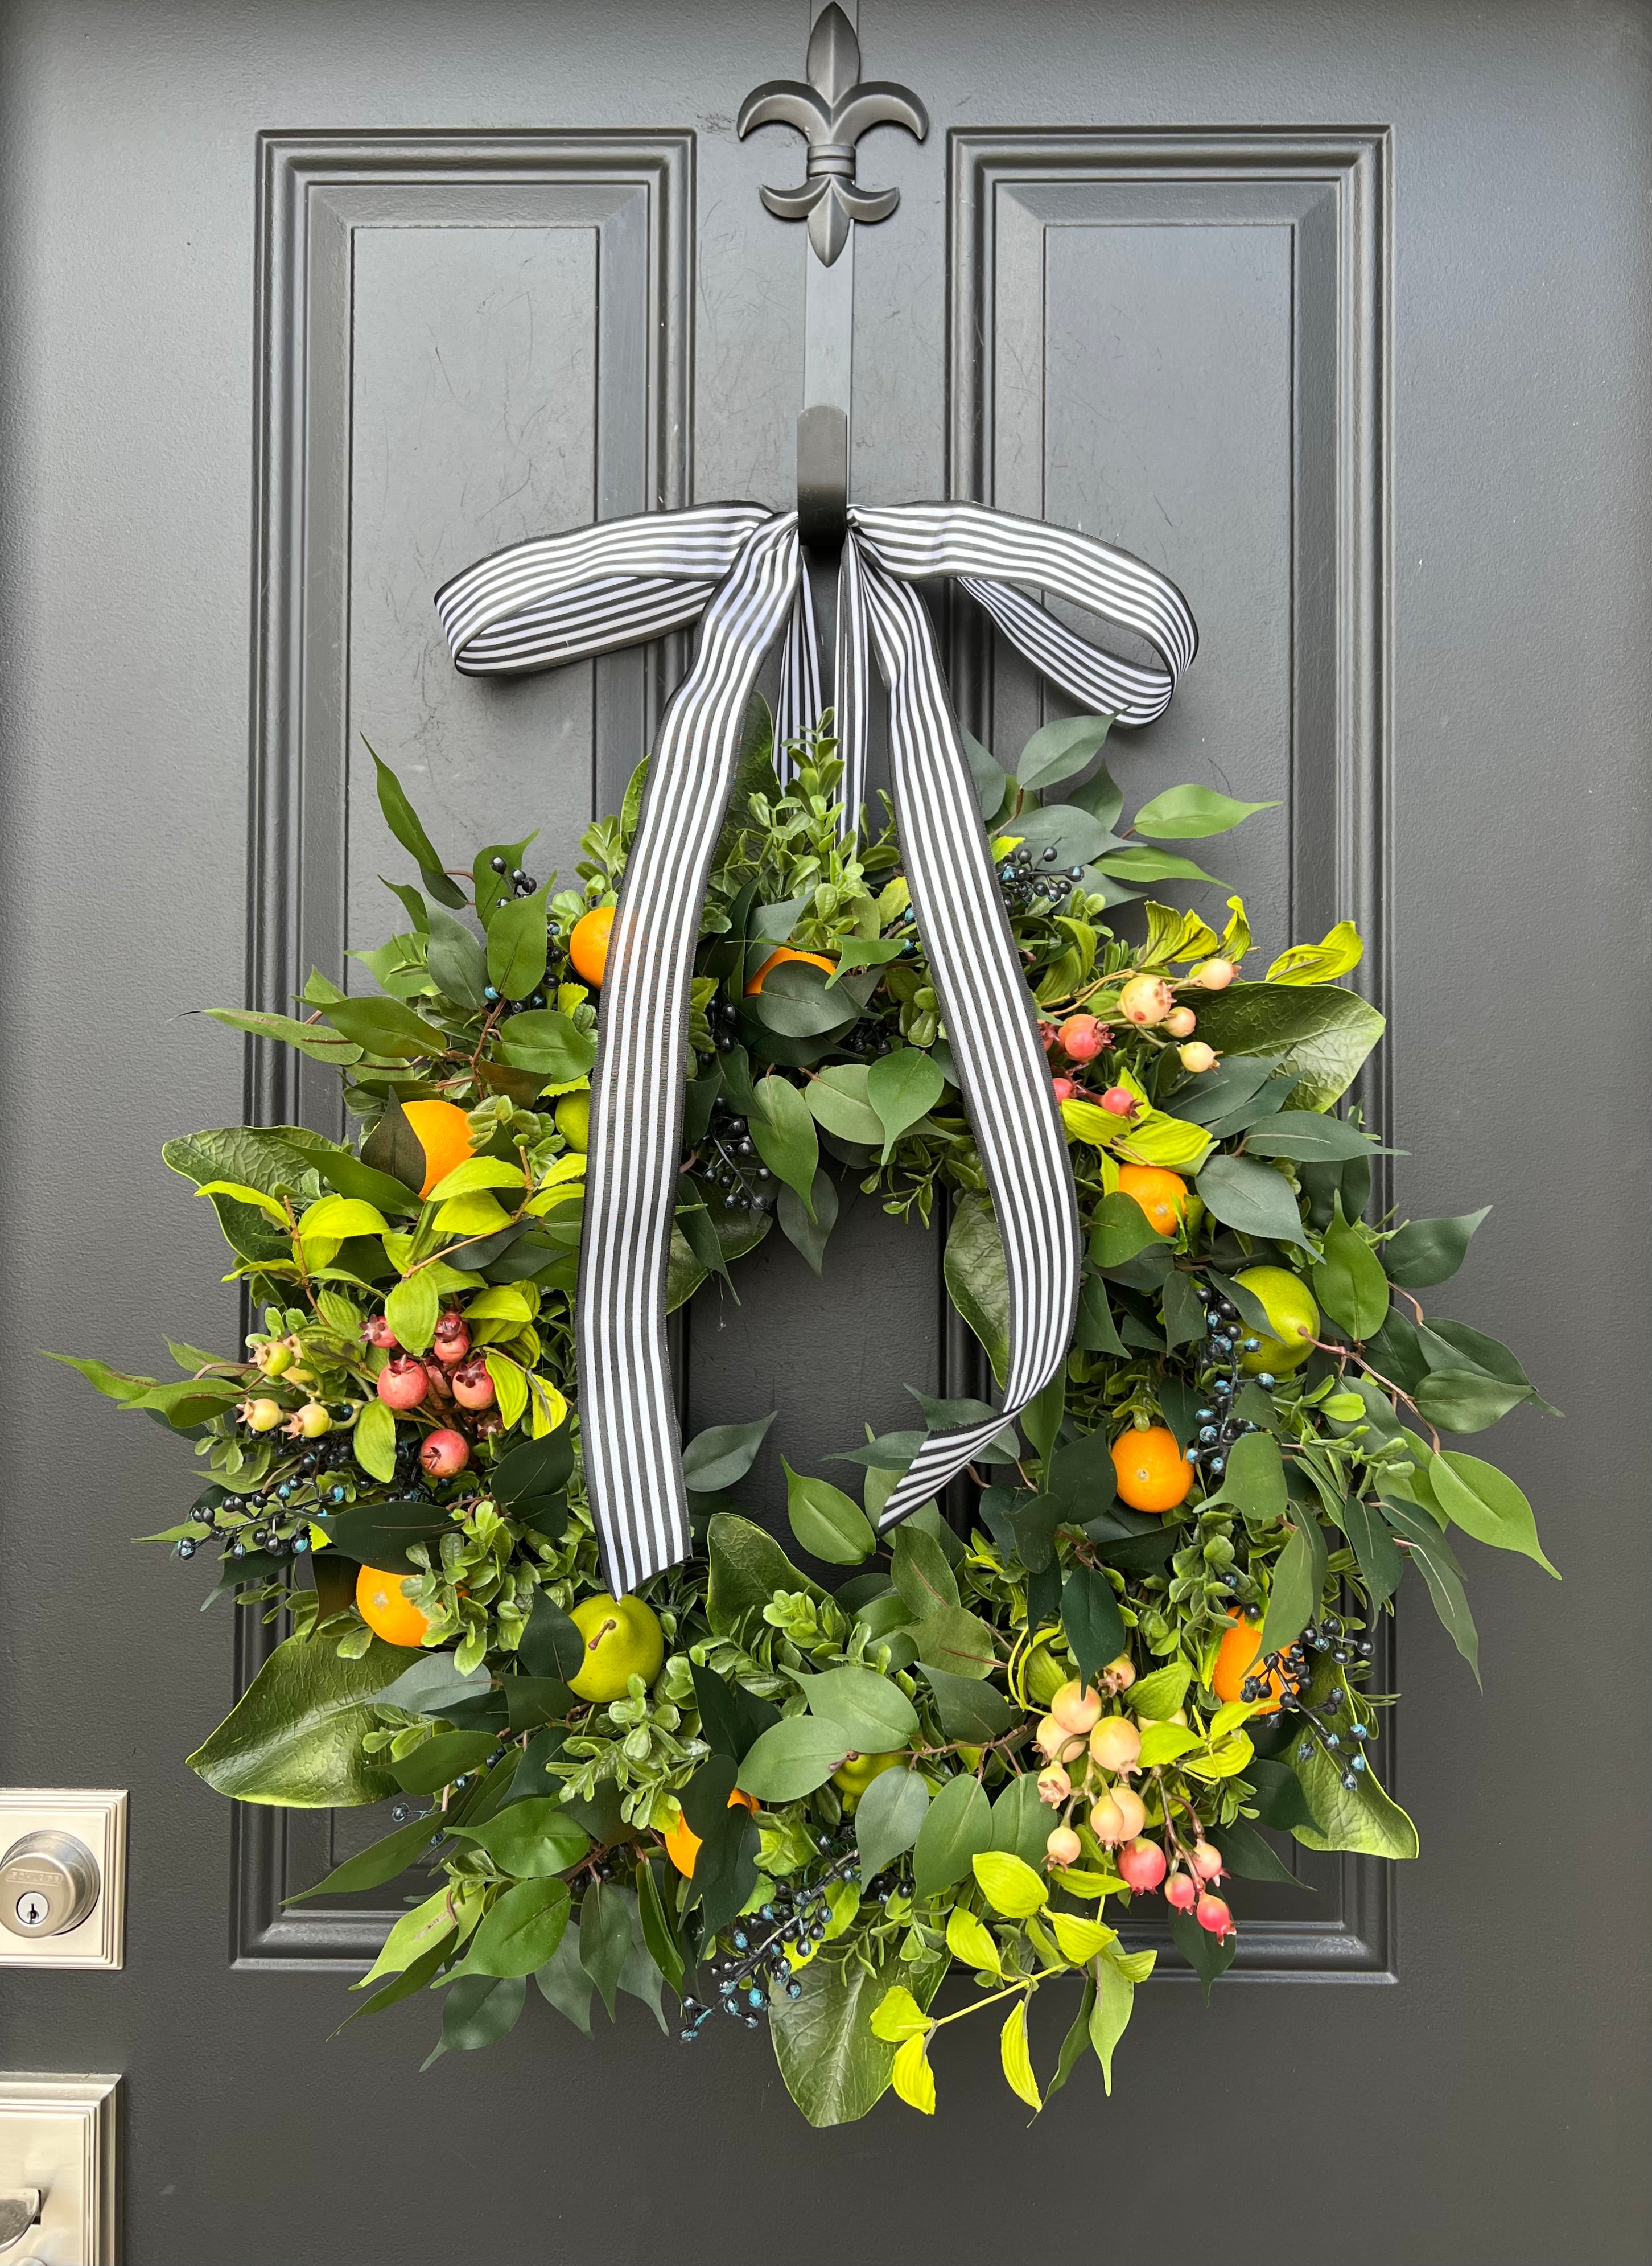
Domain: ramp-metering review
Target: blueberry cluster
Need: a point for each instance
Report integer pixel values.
(1323, 1725)
(731, 1162)
(756, 1961)
(1218, 1427)
(1024, 882)
(724, 1018)
(306, 1486)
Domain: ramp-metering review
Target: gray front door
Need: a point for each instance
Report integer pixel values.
(304, 309)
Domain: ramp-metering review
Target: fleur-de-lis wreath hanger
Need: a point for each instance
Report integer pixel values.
(739, 571)
(831, 113)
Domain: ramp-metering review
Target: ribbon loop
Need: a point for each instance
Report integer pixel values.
(738, 570)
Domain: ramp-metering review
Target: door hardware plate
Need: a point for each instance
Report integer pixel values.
(96, 1818)
(58, 2134)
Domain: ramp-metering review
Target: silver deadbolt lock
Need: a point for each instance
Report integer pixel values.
(48, 1883)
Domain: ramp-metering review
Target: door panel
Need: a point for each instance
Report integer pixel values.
(1376, 396)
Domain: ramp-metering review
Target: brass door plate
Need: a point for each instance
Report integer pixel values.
(97, 1819)
(58, 2134)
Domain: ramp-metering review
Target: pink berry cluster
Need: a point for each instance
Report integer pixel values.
(1145, 1003)
(448, 1375)
(1091, 1756)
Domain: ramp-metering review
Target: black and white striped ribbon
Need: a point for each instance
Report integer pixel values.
(739, 571)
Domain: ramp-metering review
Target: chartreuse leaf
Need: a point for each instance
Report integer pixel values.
(957, 1828)
(826, 1522)
(1079, 1938)
(784, 1132)
(412, 1309)
(898, 2016)
(912, 2077)
(1016, 2059)
(970, 1941)
(1319, 963)
(294, 1738)
(1009, 1884)
(1187, 813)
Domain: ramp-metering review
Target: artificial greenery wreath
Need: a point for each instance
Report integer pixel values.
(1143, 1642)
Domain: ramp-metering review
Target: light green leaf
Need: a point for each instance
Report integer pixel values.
(838, 1099)
(793, 1758)
(1364, 1820)
(903, 1086)
(827, 1524)
(1152, 866)
(1349, 1282)
(373, 1440)
(1162, 1743)
(531, 1840)
(517, 937)
(1110, 2018)
(520, 1931)
(1186, 813)
(785, 1134)
(313, 1040)
(336, 1218)
(1486, 1503)
(294, 1738)
(548, 1044)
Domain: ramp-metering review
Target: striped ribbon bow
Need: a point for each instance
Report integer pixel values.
(738, 570)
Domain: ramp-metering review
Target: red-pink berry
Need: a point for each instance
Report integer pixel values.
(1182, 1892)
(1120, 1101)
(402, 1382)
(377, 1332)
(1048, 1033)
(445, 1454)
(1064, 1089)
(452, 1339)
(1083, 1038)
(1142, 1865)
(473, 1386)
(1214, 1917)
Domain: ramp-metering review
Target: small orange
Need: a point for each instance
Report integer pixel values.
(1153, 1474)
(683, 1844)
(1162, 1196)
(444, 1135)
(1235, 1658)
(386, 1609)
(588, 945)
(815, 960)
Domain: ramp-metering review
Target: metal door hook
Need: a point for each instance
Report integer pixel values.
(823, 479)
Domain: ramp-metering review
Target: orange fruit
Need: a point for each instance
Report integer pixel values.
(444, 1135)
(1162, 1196)
(387, 1610)
(1153, 1474)
(1235, 1660)
(683, 1844)
(815, 960)
(588, 945)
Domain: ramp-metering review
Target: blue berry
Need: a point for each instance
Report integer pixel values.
(1267, 1380)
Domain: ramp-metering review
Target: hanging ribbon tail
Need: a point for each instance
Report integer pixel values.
(634, 1473)
(738, 570)
(990, 1021)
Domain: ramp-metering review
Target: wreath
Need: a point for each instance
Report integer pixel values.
(1141, 1643)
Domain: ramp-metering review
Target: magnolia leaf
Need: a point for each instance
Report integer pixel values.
(978, 1281)
(1320, 1033)
(294, 1738)
(834, 2065)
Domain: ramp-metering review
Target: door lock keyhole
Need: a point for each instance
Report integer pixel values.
(48, 1884)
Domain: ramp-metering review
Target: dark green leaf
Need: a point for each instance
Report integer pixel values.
(1076, 837)
(1073, 2044)
(1486, 1503)
(658, 1932)
(1426, 1546)
(386, 1860)
(547, 1044)
(784, 1132)
(604, 1939)
(1217, 1096)
(1183, 1314)
(732, 1719)
(793, 1757)
(449, 1755)
(888, 1818)
(1380, 1564)
(1280, 1800)
(920, 1571)
(1246, 1853)
(516, 947)
(1091, 1618)
(1306, 1136)
(551, 1644)
(1349, 1282)
(1100, 797)
(746, 1568)
(532, 1840)
(457, 962)
(1299, 1576)
(1319, 1031)
(563, 1982)
(808, 1233)
(721, 1456)
(1253, 1198)
(795, 1003)
(968, 1710)
(386, 1026)
(834, 2067)
(1428, 1251)
(827, 1524)
(1020, 1821)
(294, 1736)
(1254, 1478)
(1119, 1229)
(535, 1468)
(1465, 1399)
(870, 1713)
(394, 1149)
(477, 2011)
(1209, 1958)
(957, 1827)
(978, 1281)
(403, 821)
(725, 1864)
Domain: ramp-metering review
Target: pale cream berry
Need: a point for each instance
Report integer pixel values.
(1181, 1023)
(1196, 1056)
(1146, 1000)
(1116, 1744)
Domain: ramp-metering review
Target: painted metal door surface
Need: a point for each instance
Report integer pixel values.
(303, 309)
